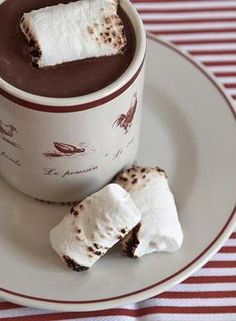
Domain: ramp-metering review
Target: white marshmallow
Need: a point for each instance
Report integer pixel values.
(159, 229)
(73, 31)
(94, 226)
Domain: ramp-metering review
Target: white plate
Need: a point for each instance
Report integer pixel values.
(188, 129)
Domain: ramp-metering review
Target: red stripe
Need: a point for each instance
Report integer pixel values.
(210, 279)
(233, 235)
(228, 249)
(125, 312)
(225, 74)
(194, 20)
(195, 31)
(219, 63)
(197, 295)
(230, 85)
(234, 96)
(220, 264)
(8, 305)
(185, 10)
(213, 52)
(203, 41)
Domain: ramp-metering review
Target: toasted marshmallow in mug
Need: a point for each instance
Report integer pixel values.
(94, 226)
(159, 229)
(73, 31)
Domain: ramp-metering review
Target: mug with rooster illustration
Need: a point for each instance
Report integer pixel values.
(63, 149)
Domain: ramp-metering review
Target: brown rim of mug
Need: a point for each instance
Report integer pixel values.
(74, 108)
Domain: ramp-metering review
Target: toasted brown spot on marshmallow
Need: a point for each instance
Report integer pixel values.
(90, 249)
(107, 20)
(134, 181)
(35, 53)
(133, 241)
(96, 245)
(32, 43)
(144, 176)
(73, 265)
(123, 230)
(160, 170)
(72, 210)
(90, 30)
(98, 253)
(78, 230)
(76, 213)
(81, 206)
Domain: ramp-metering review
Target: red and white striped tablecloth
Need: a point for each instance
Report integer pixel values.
(207, 30)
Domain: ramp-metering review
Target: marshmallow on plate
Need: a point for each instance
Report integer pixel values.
(93, 226)
(73, 31)
(159, 229)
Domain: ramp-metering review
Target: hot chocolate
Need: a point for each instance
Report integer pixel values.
(67, 80)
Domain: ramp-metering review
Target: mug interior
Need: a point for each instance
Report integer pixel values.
(108, 90)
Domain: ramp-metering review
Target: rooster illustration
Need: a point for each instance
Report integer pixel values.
(125, 120)
(7, 131)
(64, 150)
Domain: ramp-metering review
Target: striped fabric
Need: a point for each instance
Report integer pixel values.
(207, 30)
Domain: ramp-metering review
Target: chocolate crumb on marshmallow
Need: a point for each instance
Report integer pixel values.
(159, 229)
(73, 31)
(92, 227)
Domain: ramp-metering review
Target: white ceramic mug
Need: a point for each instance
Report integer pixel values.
(63, 149)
